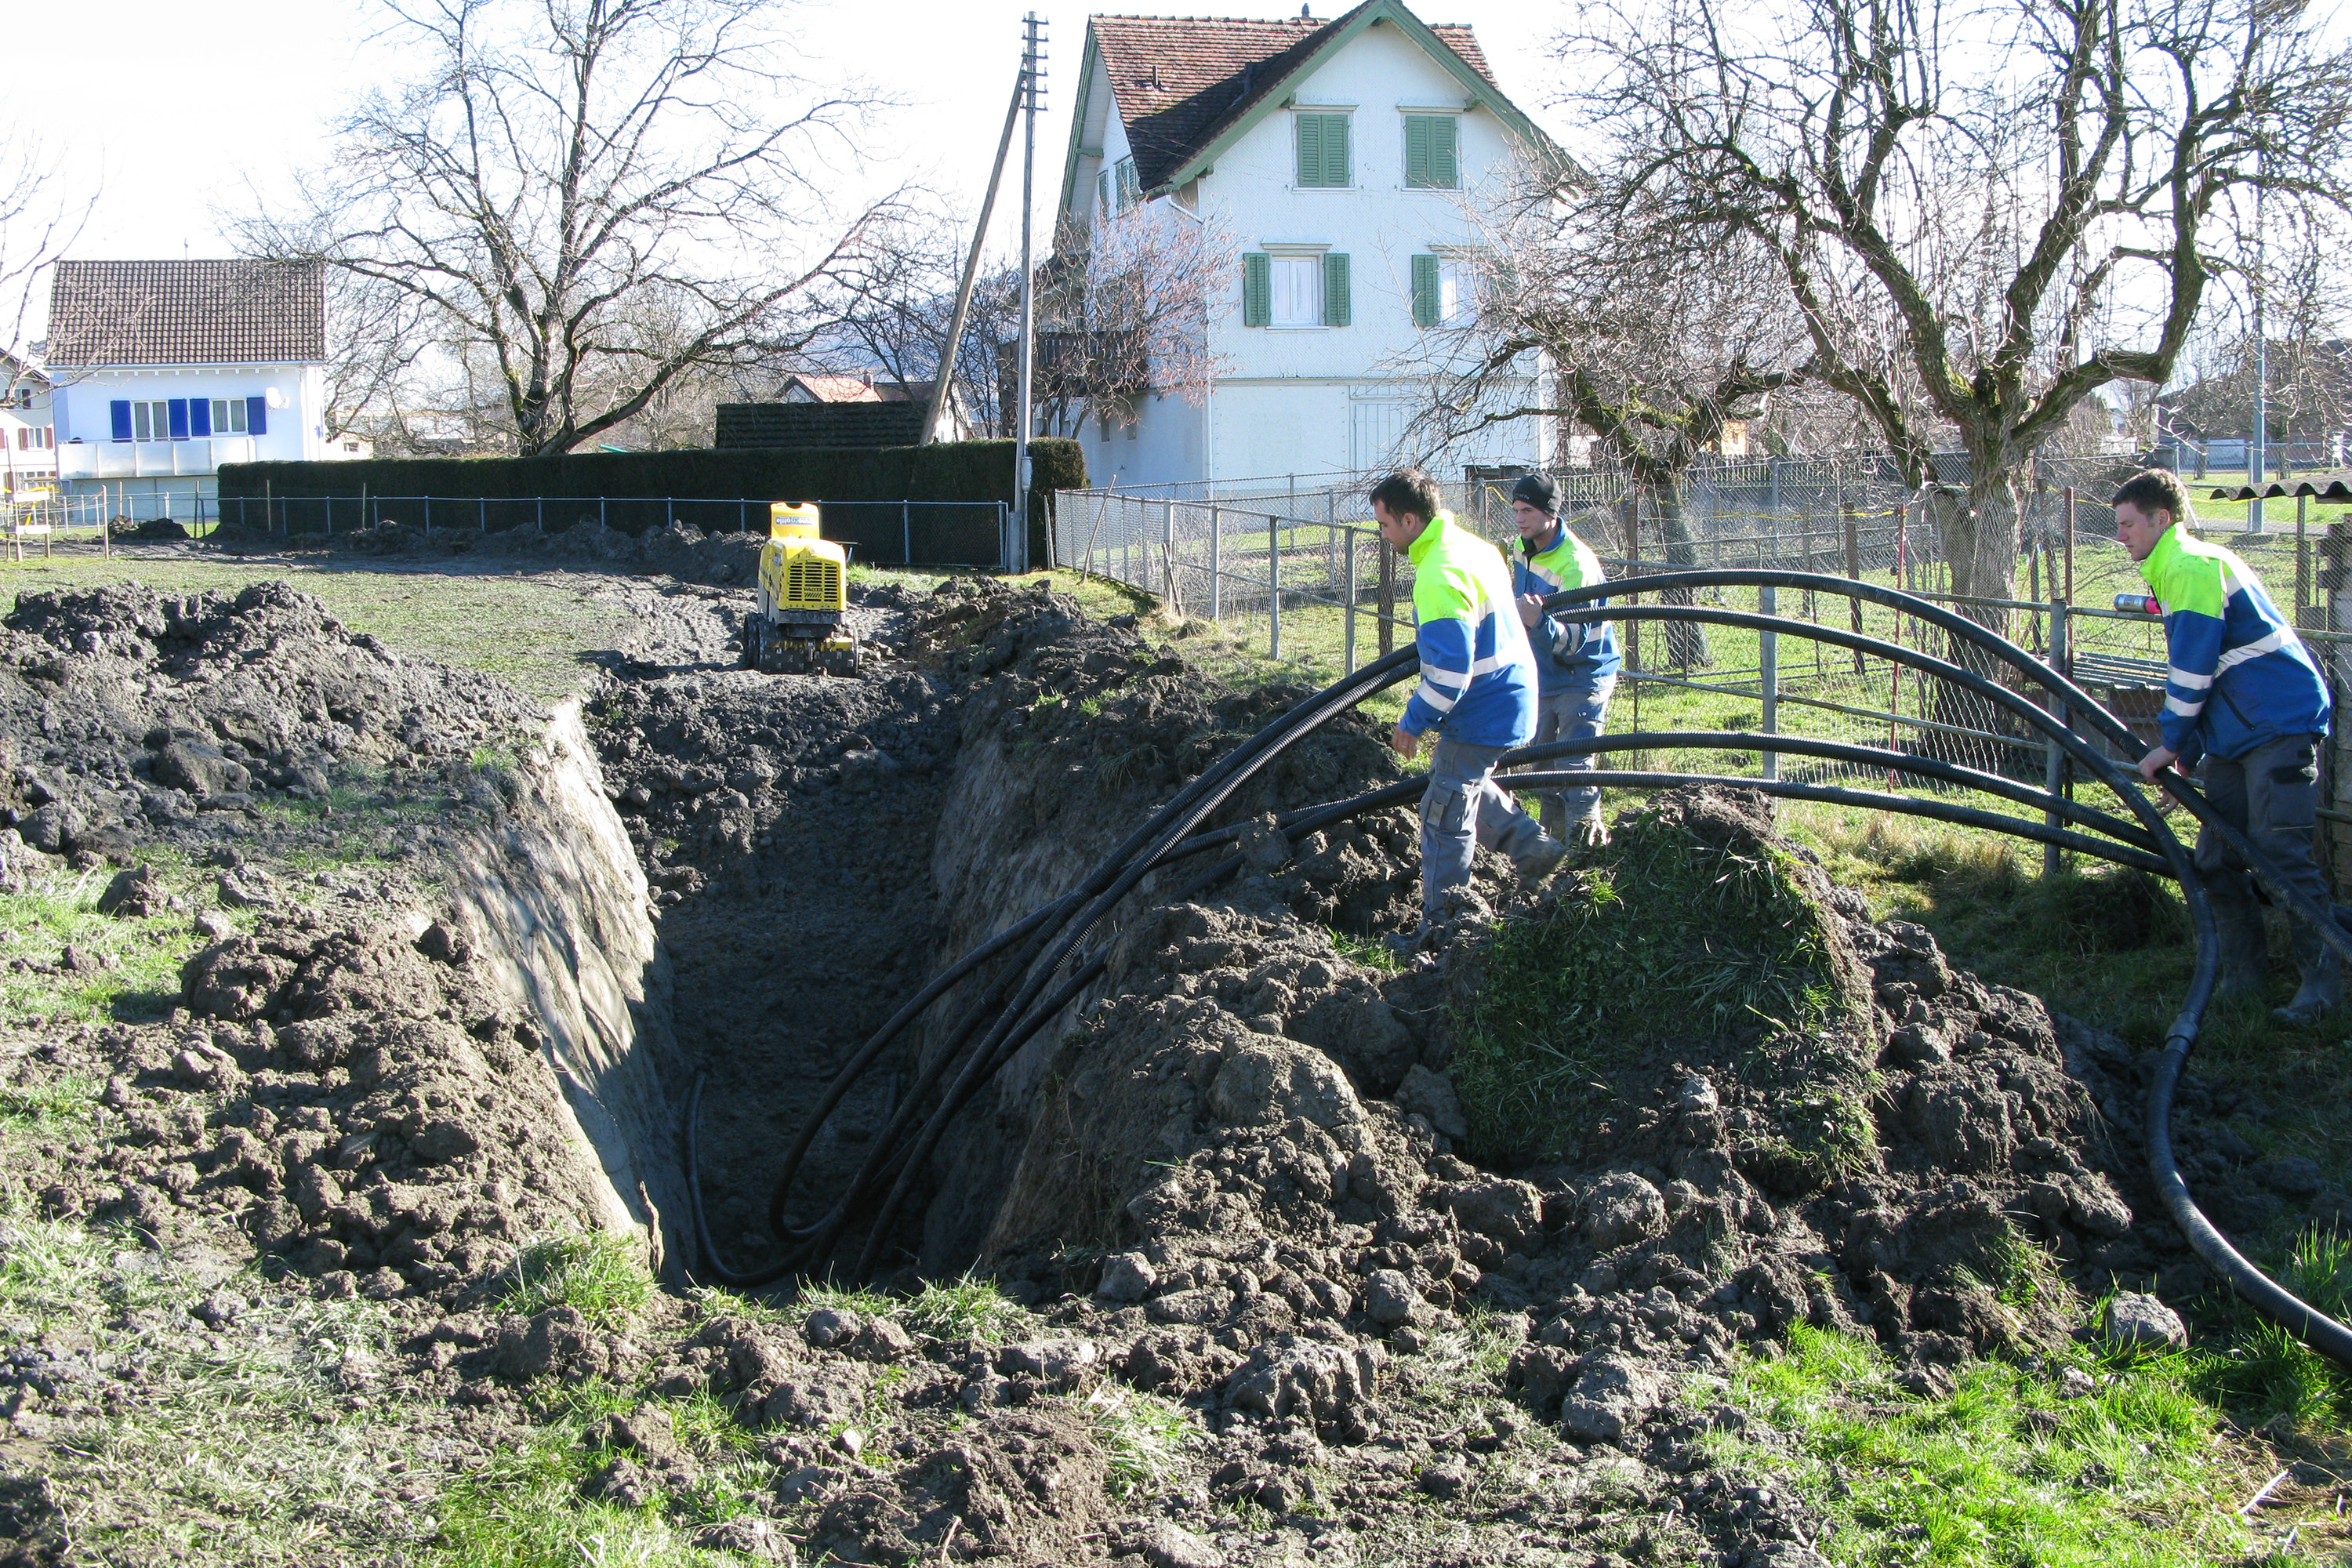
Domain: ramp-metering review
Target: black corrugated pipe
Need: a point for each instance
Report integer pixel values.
(1164, 837)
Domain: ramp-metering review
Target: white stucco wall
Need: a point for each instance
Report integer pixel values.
(1310, 400)
(296, 432)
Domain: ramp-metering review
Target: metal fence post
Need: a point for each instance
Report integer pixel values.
(428, 516)
(1388, 599)
(2053, 763)
(601, 523)
(538, 513)
(481, 502)
(1273, 588)
(1767, 644)
(906, 531)
(1216, 562)
(1349, 615)
(1167, 555)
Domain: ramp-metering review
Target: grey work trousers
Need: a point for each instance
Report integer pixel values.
(2271, 793)
(1462, 808)
(1579, 713)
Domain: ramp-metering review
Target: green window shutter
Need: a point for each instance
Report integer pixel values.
(1335, 150)
(1257, 289)
(1416, 150)
(1442, 169)
(1102, 188)
(1336, 304)
(1322, 149)
(1424, 291)
(1130, 191)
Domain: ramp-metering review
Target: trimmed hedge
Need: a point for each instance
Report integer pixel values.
(942, 471)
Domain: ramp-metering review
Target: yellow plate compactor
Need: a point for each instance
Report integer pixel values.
(801, 624)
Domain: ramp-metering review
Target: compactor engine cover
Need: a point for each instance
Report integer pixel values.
(801, 622)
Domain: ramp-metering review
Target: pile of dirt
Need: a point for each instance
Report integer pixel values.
(680, 550)
(126, 714)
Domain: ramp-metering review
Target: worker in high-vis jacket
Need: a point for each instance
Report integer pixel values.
(1576, 661)
(1476, 694)
(2243, 693)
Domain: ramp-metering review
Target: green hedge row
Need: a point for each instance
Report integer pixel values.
(946, 470)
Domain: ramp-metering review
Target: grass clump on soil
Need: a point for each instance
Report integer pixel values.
(2006, 1469)
(525, 1508)
(1146, 1440)
(125, 969)
(1669, 935)
(599, 1274)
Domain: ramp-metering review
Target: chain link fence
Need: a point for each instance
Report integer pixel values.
(1296, 571)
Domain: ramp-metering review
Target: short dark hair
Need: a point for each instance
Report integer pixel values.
(1407, 493)
(2154, 489)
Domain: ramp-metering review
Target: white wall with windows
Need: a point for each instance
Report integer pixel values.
(28, 438)
(177, 421)
(1350, 207)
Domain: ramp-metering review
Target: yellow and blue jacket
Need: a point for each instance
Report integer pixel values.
(1478, 673)
(1570, 656)
(2239, 674)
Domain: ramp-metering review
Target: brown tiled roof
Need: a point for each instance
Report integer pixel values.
(1181, 81)
(186, 313)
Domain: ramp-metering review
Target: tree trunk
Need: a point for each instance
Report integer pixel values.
(1978, 531)
(1686, 645)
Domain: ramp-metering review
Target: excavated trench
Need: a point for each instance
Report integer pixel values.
(1244, 1171)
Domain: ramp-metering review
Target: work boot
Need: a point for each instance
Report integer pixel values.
(2246, 949)
(1591, 831)
(1405, 944)
(2323, 981)
(1541, 862)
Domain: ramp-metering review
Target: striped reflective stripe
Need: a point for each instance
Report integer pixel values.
(1436, 696)
(2183, 706)
(2187, 678)
(2255, 649)
(1491, 663)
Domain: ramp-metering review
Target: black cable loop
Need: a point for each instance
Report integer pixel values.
(1165, 835)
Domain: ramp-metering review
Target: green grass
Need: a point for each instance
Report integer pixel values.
(602, 1273)
(524, 1510)
(2004, 1472)
(1146, 1440)
(966, 1308)
(144, 955)
(1662, 935)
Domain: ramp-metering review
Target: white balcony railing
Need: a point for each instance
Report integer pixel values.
(144, 460)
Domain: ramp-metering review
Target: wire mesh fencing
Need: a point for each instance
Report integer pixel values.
(1298, 571)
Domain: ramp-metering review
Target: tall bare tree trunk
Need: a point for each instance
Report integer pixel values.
(1979, 529)
(1686, 645)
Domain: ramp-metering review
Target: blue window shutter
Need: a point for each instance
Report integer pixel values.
(257, 416)
(178, 408)
(119, 411)
(200, 416)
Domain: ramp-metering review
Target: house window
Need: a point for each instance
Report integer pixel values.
(1322, 151)
(1429, 157)
(1130, 190)
(1298, 291)
(1444, 291)
(228, 415)
(150, 421)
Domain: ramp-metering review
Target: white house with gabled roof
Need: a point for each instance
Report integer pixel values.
(1340, 157)
(162, 370)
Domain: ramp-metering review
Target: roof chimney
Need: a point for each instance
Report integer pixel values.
(1306, 13)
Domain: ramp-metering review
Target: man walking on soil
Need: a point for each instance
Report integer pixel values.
(2243, 692)
(1576, 661)
(1477, 689)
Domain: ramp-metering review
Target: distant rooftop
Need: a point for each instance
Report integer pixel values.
(186, 313)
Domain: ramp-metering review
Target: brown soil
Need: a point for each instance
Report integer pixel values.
(1230, 1179)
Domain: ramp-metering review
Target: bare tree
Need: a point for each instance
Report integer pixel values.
(1652, 345)
(1125, 309)
(559, 173)
(40, 218)
(1982, 214)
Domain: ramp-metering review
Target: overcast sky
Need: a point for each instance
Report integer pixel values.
(176, 112)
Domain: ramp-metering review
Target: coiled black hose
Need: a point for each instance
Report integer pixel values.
(1053, 933)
